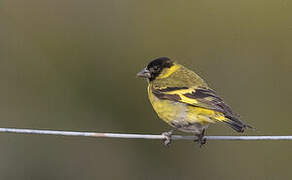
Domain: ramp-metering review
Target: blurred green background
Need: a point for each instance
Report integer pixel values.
(71, 65)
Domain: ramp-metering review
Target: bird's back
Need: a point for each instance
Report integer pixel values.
(182, 77)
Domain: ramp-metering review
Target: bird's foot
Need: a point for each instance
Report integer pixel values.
(167, 139)
(201, 139)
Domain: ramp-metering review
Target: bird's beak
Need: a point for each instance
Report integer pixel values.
(144, 73)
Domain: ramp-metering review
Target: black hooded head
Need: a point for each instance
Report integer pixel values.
(156, 66)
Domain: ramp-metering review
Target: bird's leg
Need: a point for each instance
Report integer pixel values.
(201, 139)
(167, 135)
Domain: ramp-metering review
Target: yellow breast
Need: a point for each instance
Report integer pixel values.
(167, 110)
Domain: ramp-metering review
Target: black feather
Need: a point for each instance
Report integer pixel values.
(217, 104)
(156, 66)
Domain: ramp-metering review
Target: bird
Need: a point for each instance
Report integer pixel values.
(184, 100)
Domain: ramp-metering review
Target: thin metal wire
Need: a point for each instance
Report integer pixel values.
(136, 136)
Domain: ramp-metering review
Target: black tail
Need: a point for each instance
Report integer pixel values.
(236, 124)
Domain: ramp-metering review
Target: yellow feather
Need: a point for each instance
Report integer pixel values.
(187, 100)
(168, 72)
(165, 109)
(184, 98)
(182, 113)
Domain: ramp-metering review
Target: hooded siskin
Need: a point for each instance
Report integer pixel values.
(183, 100)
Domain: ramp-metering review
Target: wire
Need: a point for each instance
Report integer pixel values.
(136, 136)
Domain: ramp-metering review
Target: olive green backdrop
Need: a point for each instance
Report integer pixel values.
(71, 65)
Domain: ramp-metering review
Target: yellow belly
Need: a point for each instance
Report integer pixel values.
(170, 111)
